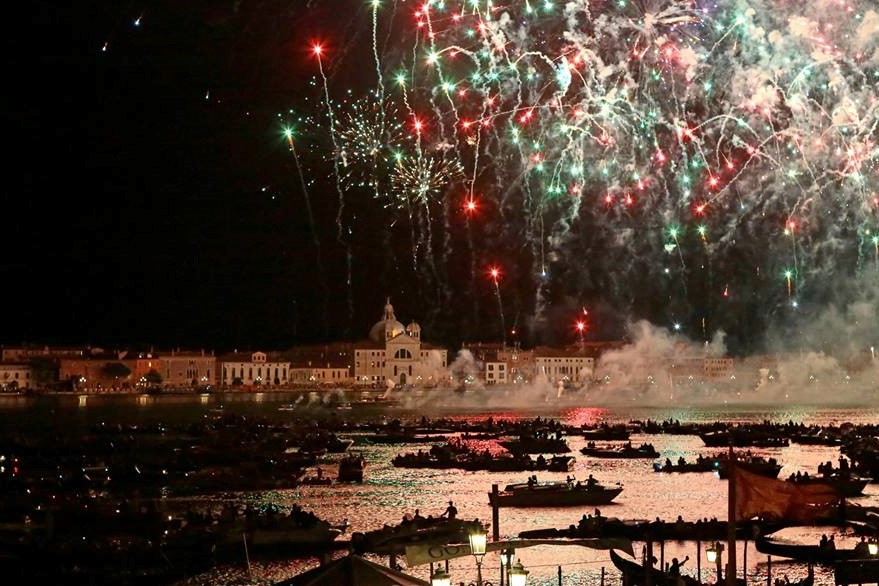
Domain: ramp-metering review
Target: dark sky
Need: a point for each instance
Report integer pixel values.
(134, 207)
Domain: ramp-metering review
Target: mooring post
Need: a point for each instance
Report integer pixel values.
(699, 561)
(246, 553)
(495, 514)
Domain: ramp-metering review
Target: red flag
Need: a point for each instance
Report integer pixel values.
(777, 500)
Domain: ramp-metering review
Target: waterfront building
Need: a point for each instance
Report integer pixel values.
(330, 364)
(396, 353)
(501, 364)
(691, 370)
(187, 369)
(253, 369)
(571, 364)
(98, 369)
(15, 376)
(28, 352)
(319, 374)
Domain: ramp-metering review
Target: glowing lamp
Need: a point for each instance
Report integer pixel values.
(517, 575)
(507, 557)
(713, 552)
(478, 539)
(317, 49)
(873, 547)
(440, 578)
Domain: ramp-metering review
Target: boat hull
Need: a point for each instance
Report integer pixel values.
(806, 553)
(555, 498)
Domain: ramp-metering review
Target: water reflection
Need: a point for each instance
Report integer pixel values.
(389, 492)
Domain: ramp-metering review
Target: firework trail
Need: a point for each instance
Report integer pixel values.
(288, 133)
(592, 128)
(494, 273)
(341, 237)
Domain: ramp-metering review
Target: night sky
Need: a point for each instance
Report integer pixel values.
(135, 207)
(151, 197)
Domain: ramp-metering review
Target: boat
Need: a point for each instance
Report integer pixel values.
(412, 531)
(554, 494)
(351, 468)
(705, 465)
(634, 574)
(402, 438)
(809, 580)
(814, 554)
(742, 439)
(754, 464)
(605, 433)
(626, 451)
(846, 486)
(815, 439)
(588, 527)
(536, 445)
(272, 531)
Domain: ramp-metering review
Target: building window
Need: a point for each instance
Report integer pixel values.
(491, 367)
(403, 354)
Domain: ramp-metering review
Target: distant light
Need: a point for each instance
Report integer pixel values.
(317, 49)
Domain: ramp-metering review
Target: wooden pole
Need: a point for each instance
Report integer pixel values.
(246, 553)
(495, 514)
(731, 517)
(560, 576)
(602, 575)
(698, 561)
(769, 570)
(662, 555)
(648, 564)
(745, 562)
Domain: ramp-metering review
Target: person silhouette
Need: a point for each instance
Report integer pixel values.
(675, 568)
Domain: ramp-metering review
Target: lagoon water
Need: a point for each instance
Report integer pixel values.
(388, 493)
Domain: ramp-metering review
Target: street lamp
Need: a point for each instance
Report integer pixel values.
(714, 553)
(440, 578)
(478, 538)
(873, 547)
(507, 556)
(517, 575)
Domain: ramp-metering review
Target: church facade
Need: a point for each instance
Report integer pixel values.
(396, 353)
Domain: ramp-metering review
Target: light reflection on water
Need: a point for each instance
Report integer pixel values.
(389, 493)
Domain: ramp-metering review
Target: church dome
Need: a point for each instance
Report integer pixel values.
(386, 328)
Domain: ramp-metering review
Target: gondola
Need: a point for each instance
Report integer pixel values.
(634, 574)
(814, 554)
